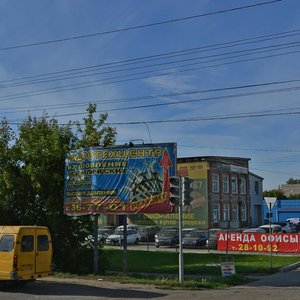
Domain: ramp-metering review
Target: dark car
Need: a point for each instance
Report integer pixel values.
(212, 241)
(167, 237)
(195, 239)
(104, 232)
(148, 233)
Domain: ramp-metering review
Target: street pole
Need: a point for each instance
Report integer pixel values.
(95, 244)
(181, 198)
(270, 233)
(270, 201)
(125, 254)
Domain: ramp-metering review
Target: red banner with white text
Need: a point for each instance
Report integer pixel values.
(259, 242)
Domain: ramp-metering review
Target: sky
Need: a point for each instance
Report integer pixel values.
(218, 77)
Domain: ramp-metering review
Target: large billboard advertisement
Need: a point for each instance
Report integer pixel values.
(126, 179)
(259, 242)
(194, 215)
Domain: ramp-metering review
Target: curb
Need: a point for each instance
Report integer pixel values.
(290, 267)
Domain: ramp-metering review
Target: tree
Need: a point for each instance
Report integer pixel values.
(93, 133)
(275, 193)
(32, 178)
(293, 181)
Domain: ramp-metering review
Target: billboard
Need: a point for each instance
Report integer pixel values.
(194, 215)
(126, 179)
(259, 242)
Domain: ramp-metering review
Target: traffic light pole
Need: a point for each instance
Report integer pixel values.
(177, 197)
(181, 264)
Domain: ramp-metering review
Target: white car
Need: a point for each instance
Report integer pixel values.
(133, 237)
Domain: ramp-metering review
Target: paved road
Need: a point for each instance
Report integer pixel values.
(279, 286)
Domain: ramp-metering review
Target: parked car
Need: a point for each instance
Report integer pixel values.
(275, 228)
(104, 232)
(256, 229)
(287, 227)
(212, 241)
(186, 231)
(195, 239)
(167, 237)
(148, 233)
(129, 226)
(133, 237)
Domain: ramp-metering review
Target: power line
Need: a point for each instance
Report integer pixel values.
(110, 101)
(218, 46)
(240, 53)
(211, 118)
(139, 26)
(275, 172)
(140, 75)
(243, 149)
(268, 113)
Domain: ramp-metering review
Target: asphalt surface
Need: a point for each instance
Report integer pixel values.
(279, 286)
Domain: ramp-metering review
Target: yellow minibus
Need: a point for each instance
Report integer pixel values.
(25, 253)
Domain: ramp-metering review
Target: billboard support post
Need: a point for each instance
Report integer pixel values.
(96, 256)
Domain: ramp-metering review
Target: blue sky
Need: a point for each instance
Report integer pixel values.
(205, 63)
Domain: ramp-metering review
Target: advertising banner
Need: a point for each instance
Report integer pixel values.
(126, 179)
(259, 242)
(194, 215)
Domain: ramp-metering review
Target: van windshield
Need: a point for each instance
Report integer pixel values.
(6, 243)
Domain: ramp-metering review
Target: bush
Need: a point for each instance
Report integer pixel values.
(81, 261)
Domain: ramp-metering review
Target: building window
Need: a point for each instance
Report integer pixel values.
(243, 186)
(215, 183)
(256, 187)
(226, 213)
(244, 211)
(225, 184)
(234, 186)
(216, 213)
(235, 212)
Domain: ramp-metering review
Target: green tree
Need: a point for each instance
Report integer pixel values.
(275, 193)
(32, 178)
(92, 132)
(293, 181)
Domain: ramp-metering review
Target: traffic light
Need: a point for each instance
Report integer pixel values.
(187, 189)
(175, 190)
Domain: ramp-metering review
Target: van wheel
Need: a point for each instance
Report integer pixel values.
(136, 241)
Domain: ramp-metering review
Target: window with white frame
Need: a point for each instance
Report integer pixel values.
(216, 213)
(225, 184)
(235, 212)
(244, 211)
(215, 183)
(243, 185)
(256, 187)
(234, 184)
(226, 212)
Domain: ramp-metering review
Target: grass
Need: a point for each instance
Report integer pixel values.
(200, 270)
(201, 264)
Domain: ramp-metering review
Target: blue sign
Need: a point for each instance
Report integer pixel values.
(120, 179)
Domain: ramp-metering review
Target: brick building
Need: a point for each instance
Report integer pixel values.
(228, 189)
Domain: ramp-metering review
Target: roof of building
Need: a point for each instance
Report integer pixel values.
(255, 175)
(205, 158)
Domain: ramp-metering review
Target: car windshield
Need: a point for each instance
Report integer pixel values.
(103, 231)
(168, 233)
(118, 232)
(195, 234)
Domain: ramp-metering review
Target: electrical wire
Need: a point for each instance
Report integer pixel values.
(159, 56)
(111, 101)
(140, 75)
(139, 26)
